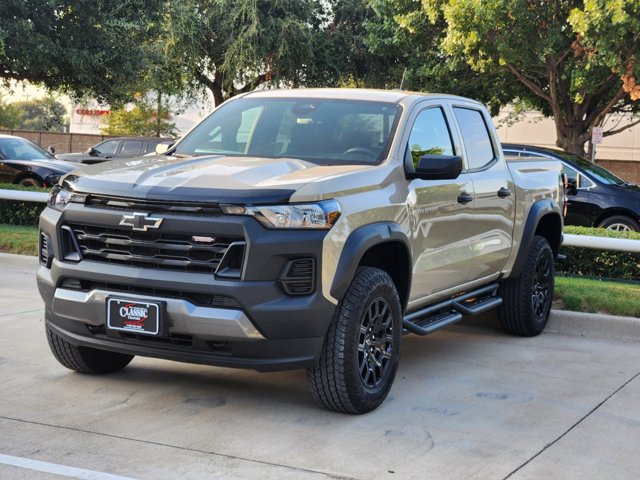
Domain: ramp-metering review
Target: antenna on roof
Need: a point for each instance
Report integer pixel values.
(403, 75)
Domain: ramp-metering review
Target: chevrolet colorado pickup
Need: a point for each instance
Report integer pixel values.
(301, 229)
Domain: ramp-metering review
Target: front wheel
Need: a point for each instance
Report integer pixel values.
(85, 359)
(29, 182)
(360, 356)
(620, 223)
(526, 300)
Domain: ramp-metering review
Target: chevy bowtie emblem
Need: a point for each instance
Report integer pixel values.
(140, 222)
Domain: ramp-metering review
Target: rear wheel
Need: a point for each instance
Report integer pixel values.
(360, 356)
(620, 223)
(85, 359)
(30, 182)
(526, 300)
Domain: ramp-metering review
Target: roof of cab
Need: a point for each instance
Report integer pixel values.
(372, 95)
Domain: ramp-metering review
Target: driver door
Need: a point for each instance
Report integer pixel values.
(438, 209)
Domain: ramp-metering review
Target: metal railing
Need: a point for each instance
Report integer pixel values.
(582, 241)
(23, 196)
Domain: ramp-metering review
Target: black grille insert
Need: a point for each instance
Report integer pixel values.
(298, 276)
(46, 254)
(150, 249)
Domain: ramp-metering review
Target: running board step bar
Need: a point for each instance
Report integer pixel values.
(448, 312)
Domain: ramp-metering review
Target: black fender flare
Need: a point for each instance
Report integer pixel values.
(357, 244)
(538, 210)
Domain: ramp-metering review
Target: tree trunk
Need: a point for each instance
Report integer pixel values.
(158, 113)
(570, 137)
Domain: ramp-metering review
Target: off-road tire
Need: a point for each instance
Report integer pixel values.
(620, 223)
(351, 352)
(526, 300)
(85, 359)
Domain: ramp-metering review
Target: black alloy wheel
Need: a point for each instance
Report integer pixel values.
(375, 344)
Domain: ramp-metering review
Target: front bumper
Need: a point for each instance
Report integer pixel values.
(260, 327)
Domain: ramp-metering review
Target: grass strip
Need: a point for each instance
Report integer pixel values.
(18, 239)
(581, 294)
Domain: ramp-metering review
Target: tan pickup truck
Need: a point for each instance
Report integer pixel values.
(301, 229)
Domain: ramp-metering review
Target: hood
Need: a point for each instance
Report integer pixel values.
(73, 157)
(56, 166)
(217, 178)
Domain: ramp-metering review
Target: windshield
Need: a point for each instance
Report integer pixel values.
(596, 171)
(21, 149)
(327, 132)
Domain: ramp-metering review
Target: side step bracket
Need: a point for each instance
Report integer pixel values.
(448, 312)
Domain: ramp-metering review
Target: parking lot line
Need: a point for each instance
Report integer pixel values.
(56, 469)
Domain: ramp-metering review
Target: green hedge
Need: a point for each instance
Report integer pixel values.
(600, 263)
(20, 213)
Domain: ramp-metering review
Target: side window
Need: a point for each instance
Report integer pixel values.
(107, 147)
(130, 148)
(476, 137)
(429, 135)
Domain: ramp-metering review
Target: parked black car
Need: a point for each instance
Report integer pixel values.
(24, 163)
(115, 148)
(596, 197)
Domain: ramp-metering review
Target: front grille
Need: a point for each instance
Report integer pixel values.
(150, 249)
(298, 277)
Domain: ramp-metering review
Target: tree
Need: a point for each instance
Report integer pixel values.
(231, 47)
(570, 59)
(46, 114)
(99, 48)
(9, 117)
(142, 120)
(411, 44)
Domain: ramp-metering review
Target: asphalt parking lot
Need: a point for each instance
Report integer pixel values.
(468, 403)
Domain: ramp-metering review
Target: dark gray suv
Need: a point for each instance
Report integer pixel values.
(114, 148)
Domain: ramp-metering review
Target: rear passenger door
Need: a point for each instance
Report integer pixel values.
(491, 230)
(130, 148)
(438, 210)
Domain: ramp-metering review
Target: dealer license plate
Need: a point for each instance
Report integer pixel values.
(134, 317)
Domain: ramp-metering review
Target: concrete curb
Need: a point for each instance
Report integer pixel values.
(564, 322)
(594, 325)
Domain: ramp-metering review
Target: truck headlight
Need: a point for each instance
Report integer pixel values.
(319, 216)
(59, 198)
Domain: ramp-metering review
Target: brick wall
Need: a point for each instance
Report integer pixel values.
(63, 142)
(628, 170)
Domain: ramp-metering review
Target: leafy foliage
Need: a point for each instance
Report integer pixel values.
(232, 47)
(45, 114)
(20, 213)
(600, 263)
(95, 47)
(142, 120)
(571, 59)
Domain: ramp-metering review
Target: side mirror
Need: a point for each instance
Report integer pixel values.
(51, 149)
(438, 167)
(92, 151)
(163, 148)
(571, 186)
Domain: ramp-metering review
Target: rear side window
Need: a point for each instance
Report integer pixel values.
(476, 137)
(429, 135)
(130, 148)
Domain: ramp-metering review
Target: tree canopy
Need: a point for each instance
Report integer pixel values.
(46, 114)
(571, 59)
(83, 47)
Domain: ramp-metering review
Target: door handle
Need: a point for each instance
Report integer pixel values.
(465, 198)
(504, 192)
